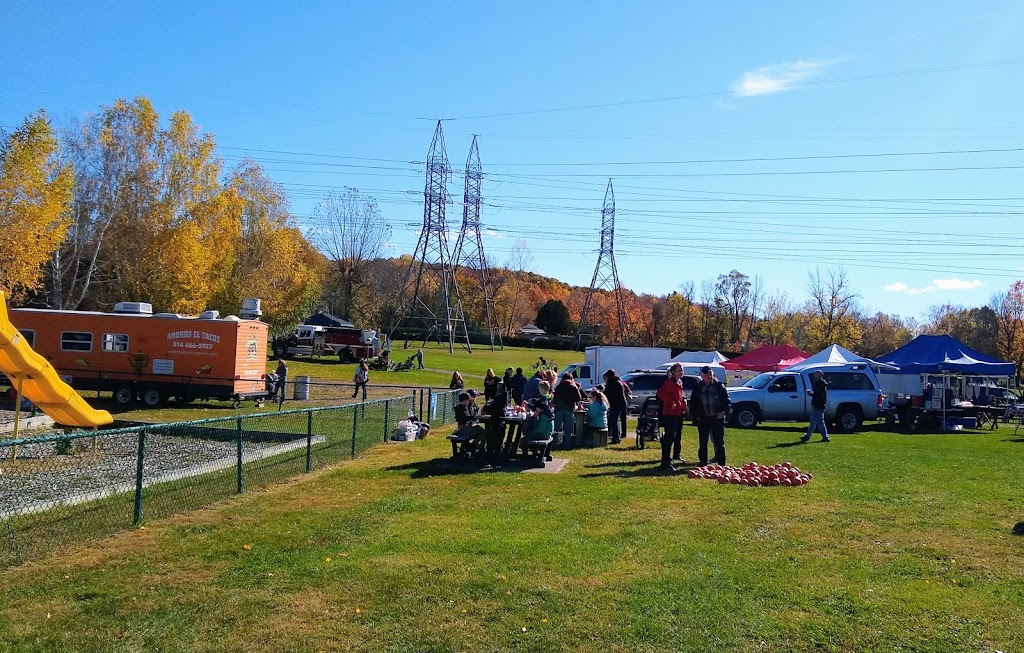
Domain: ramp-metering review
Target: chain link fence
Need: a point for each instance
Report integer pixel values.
(61, 489)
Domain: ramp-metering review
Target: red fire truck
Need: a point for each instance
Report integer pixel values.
(349, 344)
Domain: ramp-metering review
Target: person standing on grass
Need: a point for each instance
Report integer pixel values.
(495, 411)
(457, 383)
(282, 379)
(507, 378)
(360, 379)
(673, 407)
(618, 405)
(567, 395)
(709, 404)
(491, 382)
(515, 387)
(419, 358)
(819, 397)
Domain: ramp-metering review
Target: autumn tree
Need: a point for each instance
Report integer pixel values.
(778, 320)
(831, 310)
(35, 197)
(733, 293)
(882, 333)
(272, 259)
(1009, 310)
(518, 312)
(350, 230)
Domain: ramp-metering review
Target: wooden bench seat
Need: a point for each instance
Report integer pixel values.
(537, 449)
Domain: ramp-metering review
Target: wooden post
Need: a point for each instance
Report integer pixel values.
(17, 417)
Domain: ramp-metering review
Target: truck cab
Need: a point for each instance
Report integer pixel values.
(582, 373)
(853, 396)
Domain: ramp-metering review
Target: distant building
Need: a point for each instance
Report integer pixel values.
(531, 331)
(327, 320)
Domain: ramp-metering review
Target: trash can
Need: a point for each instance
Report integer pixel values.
(301, 391)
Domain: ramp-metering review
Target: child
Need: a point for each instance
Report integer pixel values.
(597, 411)
(542, 422)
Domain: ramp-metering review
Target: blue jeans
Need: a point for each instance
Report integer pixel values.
(616, 423)
(817, 422)
(564, 422)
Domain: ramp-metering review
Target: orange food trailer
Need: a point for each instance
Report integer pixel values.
(137, 355)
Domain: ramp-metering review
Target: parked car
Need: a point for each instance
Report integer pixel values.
(645, 383)
(853, 396)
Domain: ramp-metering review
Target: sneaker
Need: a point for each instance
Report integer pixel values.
(825, 440)
(667, 467)
(805, 438)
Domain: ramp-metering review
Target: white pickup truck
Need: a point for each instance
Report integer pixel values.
(853, 396)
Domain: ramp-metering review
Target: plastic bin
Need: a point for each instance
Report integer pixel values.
(970, 422)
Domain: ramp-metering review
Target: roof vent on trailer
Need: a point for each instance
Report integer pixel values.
(251, 309)
(209, 315)
(133, 308)
(173, 316)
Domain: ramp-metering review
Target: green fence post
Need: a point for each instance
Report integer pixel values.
(309, 441)
(421, 415)
(430, 401)
(137, 515)
(387, 411)
(238, 471)
(355, 425)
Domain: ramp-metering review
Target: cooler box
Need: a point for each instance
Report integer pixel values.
(970, 422)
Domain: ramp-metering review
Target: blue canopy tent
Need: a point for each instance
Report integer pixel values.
(943, 355)
(937, 354)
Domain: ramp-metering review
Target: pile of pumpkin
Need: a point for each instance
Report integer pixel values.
(754, 475)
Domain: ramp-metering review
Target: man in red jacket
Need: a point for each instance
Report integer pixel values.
(673, 407)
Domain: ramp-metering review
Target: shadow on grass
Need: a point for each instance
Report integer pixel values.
(1014, 439)
(452, 467)
(633, 470)
(786, 445)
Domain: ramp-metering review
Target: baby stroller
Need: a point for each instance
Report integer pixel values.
(647, 424)
(407, 365)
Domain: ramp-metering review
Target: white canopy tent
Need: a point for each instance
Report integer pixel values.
(702, 357)
(837, 354)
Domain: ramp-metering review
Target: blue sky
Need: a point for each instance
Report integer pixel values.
(690, 94)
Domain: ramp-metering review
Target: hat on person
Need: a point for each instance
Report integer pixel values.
(463, 396)
(472, 393)
(706, 369)
(538, 404)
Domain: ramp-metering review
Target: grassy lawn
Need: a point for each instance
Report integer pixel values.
(438, 364)
(899, 543)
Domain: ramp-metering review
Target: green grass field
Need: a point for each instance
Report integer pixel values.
(900, 543)
(438, 364)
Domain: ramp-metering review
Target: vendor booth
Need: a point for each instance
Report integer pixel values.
(929, 384)
(766, 358)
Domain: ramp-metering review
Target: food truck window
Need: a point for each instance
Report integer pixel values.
(76, 341)
(29, 335)
(115, 342)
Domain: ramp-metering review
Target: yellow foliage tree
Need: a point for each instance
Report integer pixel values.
(35, 198)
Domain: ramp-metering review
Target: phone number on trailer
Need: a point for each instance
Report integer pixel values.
(193, 345)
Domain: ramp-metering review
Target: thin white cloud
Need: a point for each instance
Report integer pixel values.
(954, 283)
(957, 284)
(778, 77)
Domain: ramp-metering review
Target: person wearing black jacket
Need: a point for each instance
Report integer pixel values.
(516, 386)
(709, 404)
(819, 398)
(495, 412)
(618, 394)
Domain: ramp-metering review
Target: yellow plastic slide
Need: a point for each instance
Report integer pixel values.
(40, 382)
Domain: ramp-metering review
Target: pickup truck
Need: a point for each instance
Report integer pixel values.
(853, 396)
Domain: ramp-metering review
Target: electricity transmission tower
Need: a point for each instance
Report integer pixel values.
(435, 304)
(606, 277)
(469, 248)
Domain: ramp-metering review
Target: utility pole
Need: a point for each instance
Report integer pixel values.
(434, 303)
(596, 314)
(469, 248)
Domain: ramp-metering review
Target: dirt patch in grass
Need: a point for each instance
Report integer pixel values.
(309, 620)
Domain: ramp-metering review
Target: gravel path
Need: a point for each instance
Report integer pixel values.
(40, 479)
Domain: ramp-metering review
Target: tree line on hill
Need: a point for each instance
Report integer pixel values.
(123, 206)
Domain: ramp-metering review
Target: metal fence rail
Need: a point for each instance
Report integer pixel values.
(62, 489)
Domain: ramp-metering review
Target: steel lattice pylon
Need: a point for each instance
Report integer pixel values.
(469, 248)
(606, 277)
(435, 303)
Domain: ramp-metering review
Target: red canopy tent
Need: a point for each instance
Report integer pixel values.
(767, 358)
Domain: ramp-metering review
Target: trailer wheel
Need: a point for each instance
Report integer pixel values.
(124, 395)
(152, 397)
(345, 356)
(236, 403)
